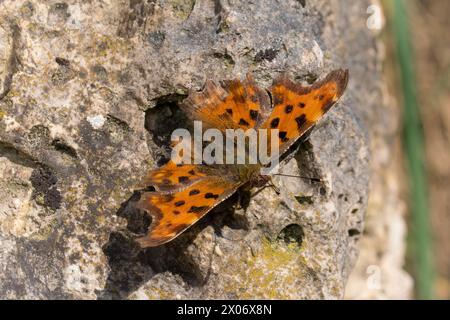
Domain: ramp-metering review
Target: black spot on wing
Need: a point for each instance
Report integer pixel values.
(288, 108)
(274, 123)
(253, 114)
(211, 195)
(301, 120)
(277, 100)
(319, 97)
(242, 122)
(194, 192)
(283, 136)
(195, 209)
(183, 179)
(179, 203)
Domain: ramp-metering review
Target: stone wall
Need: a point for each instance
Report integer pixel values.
(88, 96)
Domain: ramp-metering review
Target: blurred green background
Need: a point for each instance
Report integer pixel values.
(418, 70)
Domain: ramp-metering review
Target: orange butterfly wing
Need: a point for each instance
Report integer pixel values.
(172, 176)
(297, 108)
(172, 213)
(236, 105)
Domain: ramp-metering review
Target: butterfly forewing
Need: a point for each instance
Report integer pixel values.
(235, 105)
(297, 108)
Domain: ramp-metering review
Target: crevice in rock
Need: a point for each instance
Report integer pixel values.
(292, 233)
(353, 232)
(302, 2)
(17, 156)
(220, 13)
(61, 146)
(13, 62)
(161, 121)
(135, 17)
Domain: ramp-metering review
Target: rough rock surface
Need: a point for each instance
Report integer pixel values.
(88, 96)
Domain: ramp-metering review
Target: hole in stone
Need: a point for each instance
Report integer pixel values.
(322, 191)
(62, 61)
(161, 121)
(292, 233)
(304, 199)
(353, 232)
(63, 147)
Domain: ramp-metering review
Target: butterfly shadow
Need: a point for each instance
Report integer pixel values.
(132, 266)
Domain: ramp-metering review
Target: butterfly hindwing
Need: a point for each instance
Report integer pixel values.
(172, 213)
(172, 176)
(297, 108)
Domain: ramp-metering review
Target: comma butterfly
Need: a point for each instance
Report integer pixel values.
(186, 192)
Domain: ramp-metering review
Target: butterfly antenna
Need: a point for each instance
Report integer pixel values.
(274, 188)
(300, 177)
(259, 190)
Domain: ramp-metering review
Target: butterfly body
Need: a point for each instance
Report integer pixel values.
(186, 192)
